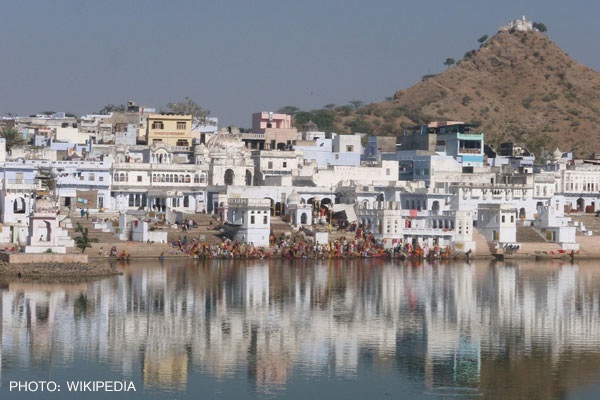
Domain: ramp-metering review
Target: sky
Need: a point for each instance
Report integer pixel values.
(237, 57)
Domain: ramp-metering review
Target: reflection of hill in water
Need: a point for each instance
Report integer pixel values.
(477, 328)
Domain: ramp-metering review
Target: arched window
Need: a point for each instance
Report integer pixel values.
(229, 177)
(196, 178)
(188, 178)
(116, 177)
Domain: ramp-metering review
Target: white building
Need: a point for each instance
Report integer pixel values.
(391, 224)
(249, 220)
(498, 223)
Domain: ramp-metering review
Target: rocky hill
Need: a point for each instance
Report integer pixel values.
(520, 86)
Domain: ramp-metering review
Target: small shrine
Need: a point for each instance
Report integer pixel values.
(45, 235)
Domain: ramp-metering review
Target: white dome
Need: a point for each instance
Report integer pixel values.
(294, 198)
(557, 155)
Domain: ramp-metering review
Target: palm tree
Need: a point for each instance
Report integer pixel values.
(13, 138)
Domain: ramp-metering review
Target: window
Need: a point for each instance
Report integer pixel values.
(139, 178)
(252, 219)
(101, 178)
(196, 178)
(285, 164)
(270, 165)
(182, 142)
(91, 177)
(180, 124)
(350, 148)
(264, 219)
(387, 172)
(157, 125)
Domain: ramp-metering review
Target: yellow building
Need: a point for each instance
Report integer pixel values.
(169, 129)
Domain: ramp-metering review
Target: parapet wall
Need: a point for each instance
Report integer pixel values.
(24, 258)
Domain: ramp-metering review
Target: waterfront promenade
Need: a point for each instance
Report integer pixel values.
(204, 234)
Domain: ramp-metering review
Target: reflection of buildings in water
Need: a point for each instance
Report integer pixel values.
(30, 316)
(433, 320)
(166, 372)
(547, 308)
(1, 330)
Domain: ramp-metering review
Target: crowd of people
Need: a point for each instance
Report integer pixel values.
(301, 245)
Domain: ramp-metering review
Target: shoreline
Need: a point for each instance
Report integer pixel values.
(56, 270)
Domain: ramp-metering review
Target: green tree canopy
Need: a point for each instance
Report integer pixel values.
(107, 109)
(482, 39)
(323, 118)
(13, 138)
(356, 103)
(289, 110)
(84, 241)
(188, 107)
(540, 26)
(449, 61)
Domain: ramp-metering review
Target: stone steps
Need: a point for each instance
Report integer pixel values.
(527, 234)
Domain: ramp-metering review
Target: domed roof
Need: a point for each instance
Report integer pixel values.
(557, 155)
(294, 198)
(223, 139)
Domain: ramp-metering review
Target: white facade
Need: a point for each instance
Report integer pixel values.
(498, 222)
(391, 224)
(552, 223)
(253, 217)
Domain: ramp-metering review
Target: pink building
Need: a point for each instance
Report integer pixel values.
(261, 121)
(271, 131)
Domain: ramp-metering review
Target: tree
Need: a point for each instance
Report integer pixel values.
(84, 241)
(449, 62)
(13, 138)
(356, 103)
(329, 106)
(289, 110)
(482, 39)
(323, 118)
(109, 108)
(540, 26)
(189, 107)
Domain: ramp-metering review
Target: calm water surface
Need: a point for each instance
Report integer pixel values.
(297, 330)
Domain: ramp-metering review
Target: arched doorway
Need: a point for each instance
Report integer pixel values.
(228, 178)
(248, 178)
(19, 206)
(435, 206)
(580, 204)
(303, 218)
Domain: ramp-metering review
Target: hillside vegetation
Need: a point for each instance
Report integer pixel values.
(520, 86)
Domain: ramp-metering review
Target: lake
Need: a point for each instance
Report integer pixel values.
(353, 329)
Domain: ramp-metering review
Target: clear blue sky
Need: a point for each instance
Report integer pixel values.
(238, 57)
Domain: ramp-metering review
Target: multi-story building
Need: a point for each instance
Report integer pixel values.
(452, 138)
(271, 131)
(169, 129)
